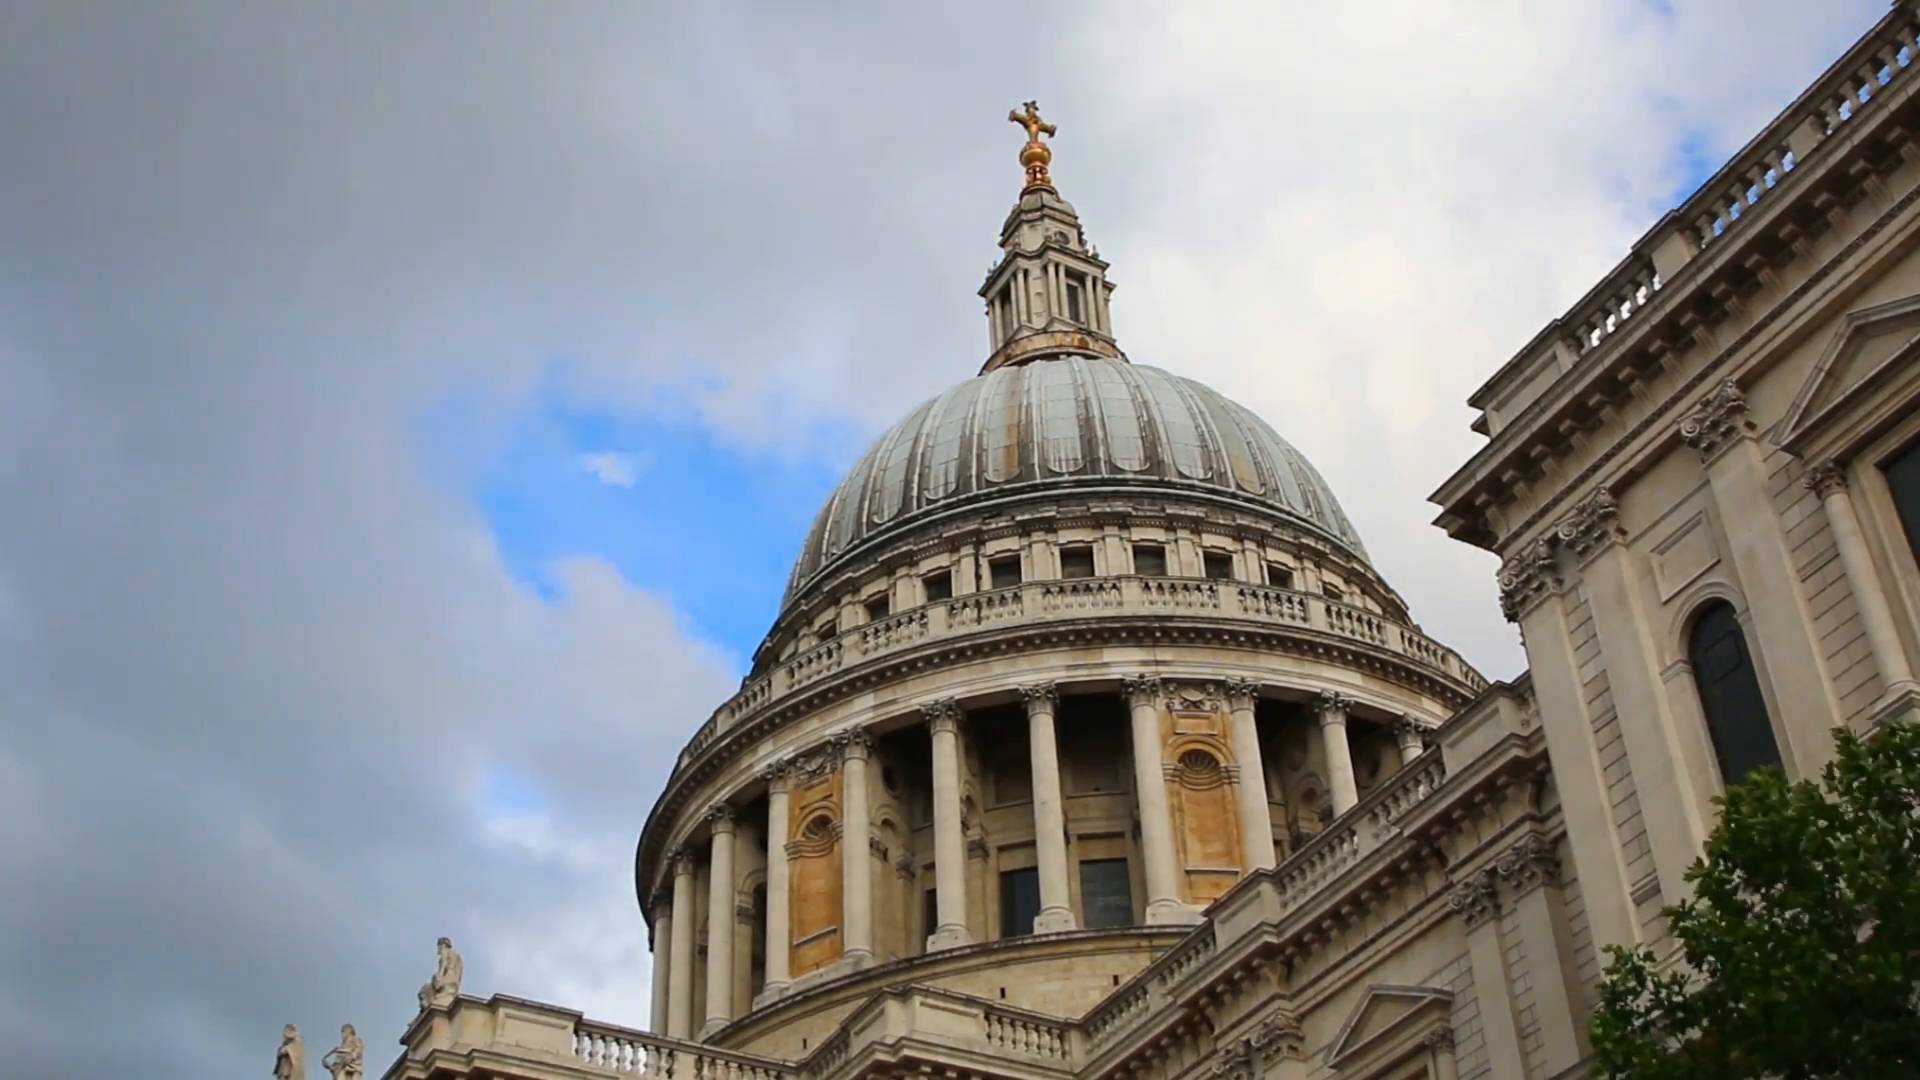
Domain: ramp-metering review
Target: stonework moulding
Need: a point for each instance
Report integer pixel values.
(1332, 706)
(1042, 697)
(942, 715)
(851, 744)
(1592, 525)
(1825, 477)
(681, 860)
(1278, 1036)
(1717, 421)
(1532, 573)
(1142, 689)
(1241, 693)
(720, 818)
(1529, 864)
(1439, 1038)
(1476, 898)
(778, 775)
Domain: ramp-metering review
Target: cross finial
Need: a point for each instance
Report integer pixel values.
(1035, 155)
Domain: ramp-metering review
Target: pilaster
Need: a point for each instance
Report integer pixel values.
(779, 780)
(1529, 872)
(1476, 900)
(680, 980)
(949, 839)
(720, 921)
(1828, 480)
(1049, 814)
(1164, 905)
(1256, 824)
(856, 842)
(1332, 709)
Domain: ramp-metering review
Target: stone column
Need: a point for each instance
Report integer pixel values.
(1669, 765)
(1439, 1042)
(1782, 628)
(1529, 596)
(1049, 814)
(1150, 792)
(1530, 872)
(1412, 736)
(856, 840)
(1333, 737)
(1828, 479)
(1476, 899)
(949, 837)
(662, 960)
(1256, 825)
(779, 875)
(680, 956)
(720, 890)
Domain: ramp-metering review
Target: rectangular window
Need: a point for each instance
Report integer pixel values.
(1279, 576)
(1019, 901)
(878, 608)
(939, 586)
(1106, 897)
(1076, 562)
(1150, 560)
(1332, 592)
(930, 911)
(1073, 303)
(1004, 572)
(1218, 564)
(828, 630)
(1903, 477)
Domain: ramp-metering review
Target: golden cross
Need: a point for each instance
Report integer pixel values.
(1035, 155)
(1030, 119)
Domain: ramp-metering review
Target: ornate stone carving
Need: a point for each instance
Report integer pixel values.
(1592, 525)
(811, 766)
(1718, 419)
(1476, 898)
(1142, 689)
(1193, 697)
(778, 775)
(878, 849)
(851, 744)
(904, 868)
(1278, 1036)
(1825, 477)
(1040, 697)
(348, 1061)
(1241, 693)
(290, 1061)
(720, 818)
(1234, 1061)
(1332, 706)
(1407, 728)
(1440, 1038)
(440, 991)
(942, 715)
(1529, 864)
(1530, 573)
(681, 860)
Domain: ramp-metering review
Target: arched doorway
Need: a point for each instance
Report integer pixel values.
(1730, 694)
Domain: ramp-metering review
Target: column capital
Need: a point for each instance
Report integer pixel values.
(1241, 693)
(942, 715)
(682, 861)
(1825, 477)
(1439, 1038)
(1476, 897)
(1409, 729)
(1528, 576)
(1528, 864)
(1278, 1036)
(778, 775)
(1332, 707)
(1717, 421)
(720, 818)
(1593, 524)
(851, 745)
(1142, 689)
(1040, 697)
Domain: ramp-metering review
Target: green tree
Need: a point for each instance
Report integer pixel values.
(1801, 941)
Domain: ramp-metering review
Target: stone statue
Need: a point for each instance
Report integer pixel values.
(291, 1062)
(348, 1060)
(440, 990)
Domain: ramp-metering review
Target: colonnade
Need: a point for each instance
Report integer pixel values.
(674, 923)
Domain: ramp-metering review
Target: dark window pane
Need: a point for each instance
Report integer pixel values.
(1150, 560)
(1279, 576)
(1004, 571)
(1019, 901)
(1730, 694)
(1106, 898)
(879, 607)
(1219, 565)
(1903, 476)
(939, 586)
(1076, 562)
(930, 911)
(1073, 303)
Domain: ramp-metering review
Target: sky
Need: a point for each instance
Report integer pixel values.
(409, 412)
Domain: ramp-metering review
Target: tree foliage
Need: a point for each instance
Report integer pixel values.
(1799, 949)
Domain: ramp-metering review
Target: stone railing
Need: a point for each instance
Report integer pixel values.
(643, 1054)
(1072, 598)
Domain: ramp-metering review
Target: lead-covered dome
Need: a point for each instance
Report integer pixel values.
(1067, 423)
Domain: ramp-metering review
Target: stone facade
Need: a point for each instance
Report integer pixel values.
(1150, 775)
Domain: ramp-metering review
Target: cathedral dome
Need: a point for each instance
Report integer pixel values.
(1068, 423)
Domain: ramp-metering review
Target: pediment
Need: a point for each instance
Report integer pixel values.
(1388, 1018)
(1869, 346)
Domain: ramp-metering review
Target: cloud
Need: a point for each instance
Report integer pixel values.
(261, 661)
(614, 469)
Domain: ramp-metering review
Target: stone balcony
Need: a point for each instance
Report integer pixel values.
(1065, 600)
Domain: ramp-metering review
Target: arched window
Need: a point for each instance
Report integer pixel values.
(1730, 694)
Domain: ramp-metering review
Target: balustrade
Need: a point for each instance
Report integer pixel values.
(1078, 598)
(642, 1054)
